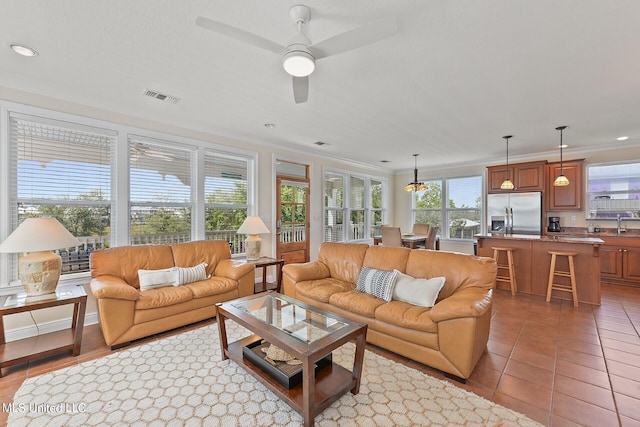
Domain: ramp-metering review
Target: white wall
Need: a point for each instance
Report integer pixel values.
(22, 325)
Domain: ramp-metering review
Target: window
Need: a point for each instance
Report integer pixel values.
(613, 189)
(225, 193)
(428, 205)
(63, 171)
(111, 184)
(159, 192)
(456, 202)
(364, 207)
(333, 207)
(464, 210)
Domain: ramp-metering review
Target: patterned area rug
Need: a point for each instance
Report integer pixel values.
(181, 381)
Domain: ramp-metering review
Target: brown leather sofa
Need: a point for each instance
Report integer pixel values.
(126, 313)
(451, 336)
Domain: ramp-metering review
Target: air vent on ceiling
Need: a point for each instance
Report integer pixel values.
(161, 96)
(321, 143)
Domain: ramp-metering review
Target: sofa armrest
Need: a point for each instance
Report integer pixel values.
(113, 287)
(468, 302)
(232, 270)
(306, 271)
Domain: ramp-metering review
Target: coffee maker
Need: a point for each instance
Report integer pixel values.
(554, 224)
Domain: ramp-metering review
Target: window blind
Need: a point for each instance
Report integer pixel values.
(62, 170)
(160, 191)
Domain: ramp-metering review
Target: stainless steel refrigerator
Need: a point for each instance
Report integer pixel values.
(515, 213)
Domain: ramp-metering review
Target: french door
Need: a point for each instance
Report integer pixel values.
(292, 222)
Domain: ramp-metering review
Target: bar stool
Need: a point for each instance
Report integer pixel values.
(511, 278)
(571, 274)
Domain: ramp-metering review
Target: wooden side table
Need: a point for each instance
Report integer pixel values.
(265, 262)
(24, 350)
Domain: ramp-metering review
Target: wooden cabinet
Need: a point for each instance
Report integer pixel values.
(528, 176)
(620, 260)
(570, 197)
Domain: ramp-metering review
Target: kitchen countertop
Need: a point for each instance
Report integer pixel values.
(563, 238)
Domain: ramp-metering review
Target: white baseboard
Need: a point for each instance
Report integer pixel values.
(46, 327)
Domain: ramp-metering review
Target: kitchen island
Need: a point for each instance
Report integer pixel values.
(532, 262)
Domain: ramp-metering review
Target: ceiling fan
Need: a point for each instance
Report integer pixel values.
(299, 55)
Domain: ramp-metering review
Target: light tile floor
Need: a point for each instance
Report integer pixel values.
(561, 366)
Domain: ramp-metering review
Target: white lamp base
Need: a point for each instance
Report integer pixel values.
(252, 247)
(40, 272)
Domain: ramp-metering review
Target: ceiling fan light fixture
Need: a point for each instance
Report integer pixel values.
(298, 61)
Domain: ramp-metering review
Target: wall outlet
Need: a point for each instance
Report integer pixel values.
(573, 220)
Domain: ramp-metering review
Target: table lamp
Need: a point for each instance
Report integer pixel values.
(252, 226)
(39, 270)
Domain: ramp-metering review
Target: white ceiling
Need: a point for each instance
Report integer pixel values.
(455, 78)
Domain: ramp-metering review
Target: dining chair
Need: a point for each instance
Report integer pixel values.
(421, 228)
(391, 236)
(431, 239)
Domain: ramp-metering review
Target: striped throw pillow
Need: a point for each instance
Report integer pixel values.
(191, 274)
(152, 279)
(378, 283)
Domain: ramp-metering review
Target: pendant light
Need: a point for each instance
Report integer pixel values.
(415, 185)
(561, 180)
(507, 184)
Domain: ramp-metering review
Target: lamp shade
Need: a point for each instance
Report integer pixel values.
(38, 234)
(253, 225)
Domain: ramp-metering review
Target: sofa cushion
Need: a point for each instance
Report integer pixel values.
(191, 274)
(152, 279)
(406, 315)
(213, 286)
(125, 261)
(344, 261)
(322, 289)
(162, 297)
(357, 302)
(423, 292)
(379, 283)
(386, 258)
(189, 254)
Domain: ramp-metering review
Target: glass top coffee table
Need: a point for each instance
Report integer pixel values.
(308, 334)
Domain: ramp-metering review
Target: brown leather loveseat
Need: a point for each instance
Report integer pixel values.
(451, 336)
(126, 313)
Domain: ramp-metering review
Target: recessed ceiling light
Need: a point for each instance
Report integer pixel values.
(23, 50)
(623, 138)
(563, 146)
(269, 125)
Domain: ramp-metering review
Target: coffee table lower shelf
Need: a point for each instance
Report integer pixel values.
(331, 382)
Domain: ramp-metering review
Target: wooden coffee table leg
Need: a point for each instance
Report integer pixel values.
(358, 361)
(308, 390)
(222, 333)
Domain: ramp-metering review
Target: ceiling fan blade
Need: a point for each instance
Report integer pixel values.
(355, 38)
(238, 34)
(300, 89)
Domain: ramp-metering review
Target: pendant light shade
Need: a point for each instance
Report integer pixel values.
(507, 184)
(415, 185)
(561, 180)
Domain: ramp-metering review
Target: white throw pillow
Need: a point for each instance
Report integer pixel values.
(151, 279)
(379, 283)
(191, 274)
(423, 292)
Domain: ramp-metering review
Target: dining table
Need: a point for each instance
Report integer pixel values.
(408, 239)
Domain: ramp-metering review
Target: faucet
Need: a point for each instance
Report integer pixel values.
(620, 229)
